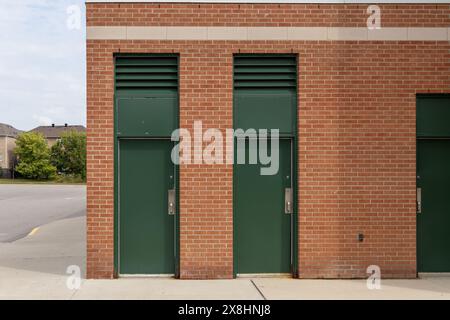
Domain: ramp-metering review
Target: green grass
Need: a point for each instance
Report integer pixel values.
(57, 180)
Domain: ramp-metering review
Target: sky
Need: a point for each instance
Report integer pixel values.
(42, 63)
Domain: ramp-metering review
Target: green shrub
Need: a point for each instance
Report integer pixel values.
(34, 157)
(69, 154)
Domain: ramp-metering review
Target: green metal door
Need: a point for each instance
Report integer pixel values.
(433, 183)
(433, 222)
(265, 98)
(146, 236)
(146, 113)
(262, 228)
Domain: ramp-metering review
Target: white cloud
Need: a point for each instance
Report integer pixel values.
(45, 64)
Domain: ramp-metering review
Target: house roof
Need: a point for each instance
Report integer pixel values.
(56, 131)
(8, 131)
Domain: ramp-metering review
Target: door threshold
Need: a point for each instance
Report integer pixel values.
(167, 276)
(433, 274)
(263, 275)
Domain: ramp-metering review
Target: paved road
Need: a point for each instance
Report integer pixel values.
(24, 207)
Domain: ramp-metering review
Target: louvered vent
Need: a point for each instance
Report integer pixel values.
(265, 72)
(143, 74)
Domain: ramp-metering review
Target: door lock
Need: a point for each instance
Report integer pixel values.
(171, 200)
(288, 201)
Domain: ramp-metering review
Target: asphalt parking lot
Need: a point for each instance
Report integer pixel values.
(24, 207)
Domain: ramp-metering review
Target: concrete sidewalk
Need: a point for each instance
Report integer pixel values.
(35, 268)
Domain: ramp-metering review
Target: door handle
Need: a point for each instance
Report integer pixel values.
(419, 200)
(171, 202)
(288, 201)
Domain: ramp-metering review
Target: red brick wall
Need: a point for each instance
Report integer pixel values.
(206, 234)
(357, 155)
(286, 15)
(100, 163)
(356, 133)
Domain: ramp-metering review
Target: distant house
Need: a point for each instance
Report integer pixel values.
(53, 133)
(8, 136)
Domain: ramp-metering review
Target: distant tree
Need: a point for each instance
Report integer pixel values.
(69, 154)
(33, 156)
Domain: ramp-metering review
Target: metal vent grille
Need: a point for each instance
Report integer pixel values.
(146, 73)
(265, 72)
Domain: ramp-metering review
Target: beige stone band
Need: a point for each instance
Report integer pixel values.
(268, 33)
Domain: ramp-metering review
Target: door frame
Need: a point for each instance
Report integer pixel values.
(294, 166)
(116, 272)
